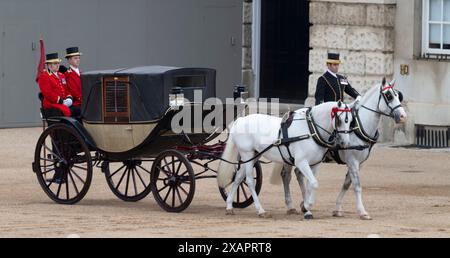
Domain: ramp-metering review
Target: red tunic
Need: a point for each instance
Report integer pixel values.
(53, 90)
(74, 86)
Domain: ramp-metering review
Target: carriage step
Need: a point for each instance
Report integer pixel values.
(35, 168)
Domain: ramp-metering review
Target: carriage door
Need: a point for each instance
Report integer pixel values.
(284, 71)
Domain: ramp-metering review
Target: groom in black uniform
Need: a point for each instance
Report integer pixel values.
(331, 86)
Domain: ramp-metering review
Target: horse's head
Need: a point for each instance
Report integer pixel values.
(342, 117)
(392, 103)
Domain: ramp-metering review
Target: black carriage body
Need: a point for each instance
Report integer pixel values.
(117, 102)
(149, 89)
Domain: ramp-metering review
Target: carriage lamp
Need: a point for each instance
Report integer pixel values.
(240, 91)
(176, 97)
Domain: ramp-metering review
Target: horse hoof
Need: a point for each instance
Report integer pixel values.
(302, 205)
(229, 213)
(265, 215)
(365, 217)
(309, 217)
(338, 214)
(292, 212)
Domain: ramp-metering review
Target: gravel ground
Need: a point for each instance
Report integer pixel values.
(406, 191)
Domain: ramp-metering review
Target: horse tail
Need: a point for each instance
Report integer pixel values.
(275, 179)
(226, 170)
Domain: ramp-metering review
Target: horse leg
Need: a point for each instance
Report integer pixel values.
(287, 176)
(250, 180)
(301, 182)
(312, 184)
(240, 175)
(339, 212)
(354, 175)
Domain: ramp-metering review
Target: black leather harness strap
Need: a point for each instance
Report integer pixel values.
(361, 133)
(315, 134)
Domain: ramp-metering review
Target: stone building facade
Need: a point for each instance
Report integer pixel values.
(375, 39)
(361, 31)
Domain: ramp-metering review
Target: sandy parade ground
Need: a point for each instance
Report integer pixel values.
(406, 191)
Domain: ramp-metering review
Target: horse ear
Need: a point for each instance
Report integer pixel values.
(352, 105)
(383, 82)
(392, 83)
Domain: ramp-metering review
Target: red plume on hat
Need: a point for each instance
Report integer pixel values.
(41, 65)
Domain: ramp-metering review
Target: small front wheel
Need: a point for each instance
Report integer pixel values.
(128, 180)
(173, 181)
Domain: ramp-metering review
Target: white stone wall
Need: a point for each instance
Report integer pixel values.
(361, 31)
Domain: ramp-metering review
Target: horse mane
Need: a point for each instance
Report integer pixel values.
(369, 93)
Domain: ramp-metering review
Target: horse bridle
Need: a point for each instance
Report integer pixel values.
(337, 120)
(387, 99)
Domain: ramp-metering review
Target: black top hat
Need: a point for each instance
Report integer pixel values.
(52, 58)
(72, 51)
(333, 58)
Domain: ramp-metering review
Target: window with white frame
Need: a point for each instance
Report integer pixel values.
(436, 27)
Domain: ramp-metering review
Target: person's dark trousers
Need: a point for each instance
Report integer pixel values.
(76, 112)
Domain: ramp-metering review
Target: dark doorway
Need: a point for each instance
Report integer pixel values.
(284, 64)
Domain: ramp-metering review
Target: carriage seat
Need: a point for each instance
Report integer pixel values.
(48, 112)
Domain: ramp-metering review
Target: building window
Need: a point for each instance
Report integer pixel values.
(436, 27)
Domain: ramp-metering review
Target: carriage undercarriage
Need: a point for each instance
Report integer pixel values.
(64, 166)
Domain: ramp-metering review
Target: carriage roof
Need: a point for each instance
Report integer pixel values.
(149, 70)
(140, 94)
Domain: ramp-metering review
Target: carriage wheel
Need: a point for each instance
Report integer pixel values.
(63, 164)
(243, 198)
(173, 181)
(130, 180)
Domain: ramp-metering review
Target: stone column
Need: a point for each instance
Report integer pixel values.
(247, 72)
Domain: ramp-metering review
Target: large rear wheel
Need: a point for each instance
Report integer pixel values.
(63, 164)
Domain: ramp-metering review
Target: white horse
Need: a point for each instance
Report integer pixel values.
(380, 100)
(254, 134)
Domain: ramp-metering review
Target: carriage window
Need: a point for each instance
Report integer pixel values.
(116, 108)
(191, 81)
(436, 27)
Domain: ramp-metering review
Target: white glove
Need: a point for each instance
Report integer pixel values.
(358, 99)
(68, 102)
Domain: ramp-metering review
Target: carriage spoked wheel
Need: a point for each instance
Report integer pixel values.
(129, 180)
(63, 164)
(173, 181)
(243, 197)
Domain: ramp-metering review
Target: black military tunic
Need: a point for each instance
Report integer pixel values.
(330, 88)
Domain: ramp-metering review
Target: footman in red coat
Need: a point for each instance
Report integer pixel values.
(73, 74)
(53, 87)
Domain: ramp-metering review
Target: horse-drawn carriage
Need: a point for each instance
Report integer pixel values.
(126, 131)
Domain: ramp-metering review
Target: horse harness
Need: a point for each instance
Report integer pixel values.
(333, 150)
(286, 141)
(358, 129)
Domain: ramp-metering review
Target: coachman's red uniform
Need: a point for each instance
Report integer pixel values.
(74, 86)
(54, 92)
